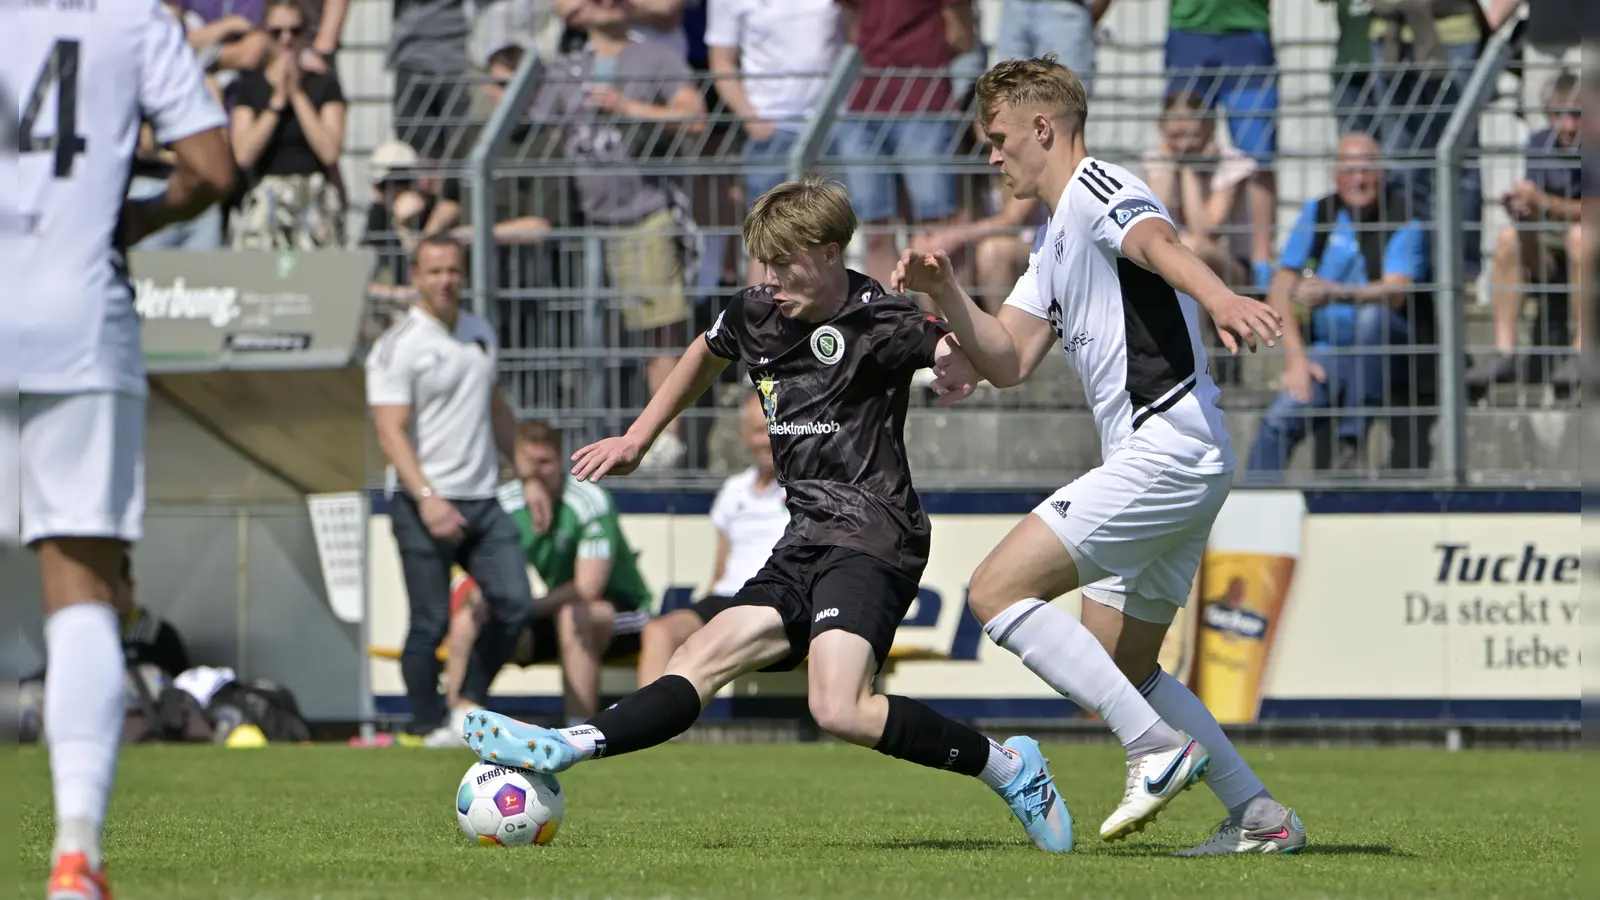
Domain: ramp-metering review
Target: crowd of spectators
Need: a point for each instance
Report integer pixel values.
(625, 83)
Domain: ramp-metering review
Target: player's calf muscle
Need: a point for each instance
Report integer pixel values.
(77, 570)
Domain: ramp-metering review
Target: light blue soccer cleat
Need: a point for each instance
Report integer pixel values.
(1033, 797)
(504, 741)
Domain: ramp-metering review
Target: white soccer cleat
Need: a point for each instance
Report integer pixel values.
(452, 734)
(1288, 836)
(1154, 779)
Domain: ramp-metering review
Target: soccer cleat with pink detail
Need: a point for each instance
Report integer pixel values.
(1287, 837)
(504, 741)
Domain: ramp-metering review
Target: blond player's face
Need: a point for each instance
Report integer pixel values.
(438, 275)
(802, 280)
(1015, 149)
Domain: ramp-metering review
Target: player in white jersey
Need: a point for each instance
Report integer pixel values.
(1111, 282)
(82, 78)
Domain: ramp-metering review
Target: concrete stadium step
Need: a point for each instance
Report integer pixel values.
(307, 428)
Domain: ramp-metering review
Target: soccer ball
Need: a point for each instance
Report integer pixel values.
(501, 807)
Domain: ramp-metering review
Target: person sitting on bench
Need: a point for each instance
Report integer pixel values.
(596, 603)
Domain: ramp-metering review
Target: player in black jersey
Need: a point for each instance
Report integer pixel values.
(832, 355)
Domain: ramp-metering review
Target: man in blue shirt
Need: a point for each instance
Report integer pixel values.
(1546, 236)
(1346, 274)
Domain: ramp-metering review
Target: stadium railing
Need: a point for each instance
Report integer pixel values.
(572, 358)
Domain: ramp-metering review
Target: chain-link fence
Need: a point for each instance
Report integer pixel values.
(613, 201)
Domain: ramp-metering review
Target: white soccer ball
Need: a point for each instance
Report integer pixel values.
(509, 808)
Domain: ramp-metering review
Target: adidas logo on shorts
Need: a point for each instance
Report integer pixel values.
(1060, 506)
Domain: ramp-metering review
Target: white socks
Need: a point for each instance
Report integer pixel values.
(83, 718)
(1061, 651)
(1229, 776)
(584, 737)
(1002, 767)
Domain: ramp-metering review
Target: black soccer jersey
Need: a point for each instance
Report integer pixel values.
(835, 395)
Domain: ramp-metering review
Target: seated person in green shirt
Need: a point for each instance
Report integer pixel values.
(596, 603)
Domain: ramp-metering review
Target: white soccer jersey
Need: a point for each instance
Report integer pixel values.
(1133, 340)
(81, 77)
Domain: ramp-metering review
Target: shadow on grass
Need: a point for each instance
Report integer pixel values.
(1171, 852)
(943, 844)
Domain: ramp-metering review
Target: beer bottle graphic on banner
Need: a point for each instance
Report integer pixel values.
(1244, 586)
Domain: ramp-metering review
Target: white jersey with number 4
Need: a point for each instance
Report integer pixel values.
(78, 77)
(1133, 340)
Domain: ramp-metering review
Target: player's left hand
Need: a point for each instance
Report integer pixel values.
(924, 273)
(955, 377)
(1240, 320)
(612, 456)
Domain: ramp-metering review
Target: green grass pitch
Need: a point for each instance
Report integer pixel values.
(813, 820)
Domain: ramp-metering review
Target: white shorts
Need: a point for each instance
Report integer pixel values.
(1137, 529)
(73, 466)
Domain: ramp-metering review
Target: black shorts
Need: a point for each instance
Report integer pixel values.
(539, 642)
(819, 589)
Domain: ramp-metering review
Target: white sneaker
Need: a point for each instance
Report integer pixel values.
(449, 735)
(1154, 779)
(667, 452)
(1288, 836)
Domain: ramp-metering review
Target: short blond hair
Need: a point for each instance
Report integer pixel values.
(1042, 82)
(798, 214)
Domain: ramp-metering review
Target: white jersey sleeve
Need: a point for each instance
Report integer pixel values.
(1116, 200)
(1027, 296)
(172, 92)
(389, 381)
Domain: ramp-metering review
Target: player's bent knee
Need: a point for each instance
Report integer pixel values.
(844, 714)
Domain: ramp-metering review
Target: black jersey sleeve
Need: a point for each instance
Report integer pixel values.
(905, 336)
(722, 338)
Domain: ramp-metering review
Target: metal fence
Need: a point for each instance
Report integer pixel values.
(606, 234)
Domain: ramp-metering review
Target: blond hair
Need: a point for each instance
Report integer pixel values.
(1042, 82)
(798, 214)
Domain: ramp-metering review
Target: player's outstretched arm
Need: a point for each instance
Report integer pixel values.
(1004, 349)
(692, 376)
(1154, 244)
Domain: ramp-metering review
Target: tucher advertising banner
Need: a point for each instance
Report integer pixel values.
(204, 311)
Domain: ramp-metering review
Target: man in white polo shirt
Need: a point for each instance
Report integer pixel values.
(439, 417)
(749, 515)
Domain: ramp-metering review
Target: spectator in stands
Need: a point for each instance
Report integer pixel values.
(399, 207)
(1425, 54)
(1202, 185)
(905, 121)
(288, 134)
(771, 61)
(614, 100)
(226, 35)
(1544, 245)
(1346, 274)
(1030, 28)
(428, 54)
(649, 21)
(749, 515)
(595, 603)
(1354, 83)
(1221, 51)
